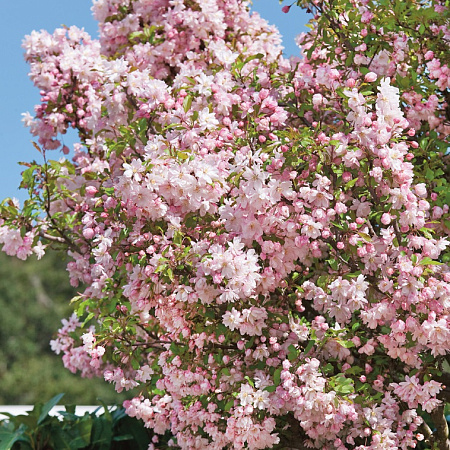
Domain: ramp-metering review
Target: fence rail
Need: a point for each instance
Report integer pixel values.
(17, 410)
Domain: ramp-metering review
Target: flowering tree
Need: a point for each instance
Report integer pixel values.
(260, 242)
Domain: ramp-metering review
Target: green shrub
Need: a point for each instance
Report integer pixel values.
(37, 430)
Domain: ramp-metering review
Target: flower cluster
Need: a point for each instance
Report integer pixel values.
(260, 244)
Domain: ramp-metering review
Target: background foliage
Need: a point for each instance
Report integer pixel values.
(33, 299)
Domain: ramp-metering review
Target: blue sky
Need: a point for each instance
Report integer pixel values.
(17, 93)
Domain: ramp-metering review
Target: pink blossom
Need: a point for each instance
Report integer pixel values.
(370, 77)
(251, 230)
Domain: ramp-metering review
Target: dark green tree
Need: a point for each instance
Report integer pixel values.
(34, 297)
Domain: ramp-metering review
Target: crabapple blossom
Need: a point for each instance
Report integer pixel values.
(260, 243)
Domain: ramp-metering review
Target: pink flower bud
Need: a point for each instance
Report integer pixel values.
(88, 233)
(317, 99)
(361, 252)
(437, 212)
(91, 191)
(346, 177)
(285, 9)
(367, 121)
(420, 189)
(264, 93)
(386, 219)
(350, 83)
(366, 17)
(370, 77)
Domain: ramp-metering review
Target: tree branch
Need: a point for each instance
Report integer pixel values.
(49, 237)
(426, 431)
(441, 433)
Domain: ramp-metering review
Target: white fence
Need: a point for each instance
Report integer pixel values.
(17, 410)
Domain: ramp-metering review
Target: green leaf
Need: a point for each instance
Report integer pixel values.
(250, 343)
(365, 236)
(135, 364)
(177, 238)
(292, 348)
(107, 414)
(109, 190)
(229, 405)
(123, 437)
(427, 261)
(309, 346)
(251, 58)
(191, 221)
(343, 385)
(101, 434)
(346, 344)
(351, 183)
(8, 438)
(85, 428)
(293, 353)
(250, 381)
(66, 439)
(130, 426)
(48, 406)
(187, 102)
(327, 369)
(354, 370)
(277, 376)
(429, 174)
(333, 263)
(270, 388)
(88, 318)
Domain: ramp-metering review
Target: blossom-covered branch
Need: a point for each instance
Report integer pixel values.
(260, 243)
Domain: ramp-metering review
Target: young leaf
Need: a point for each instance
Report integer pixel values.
(48, 406)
